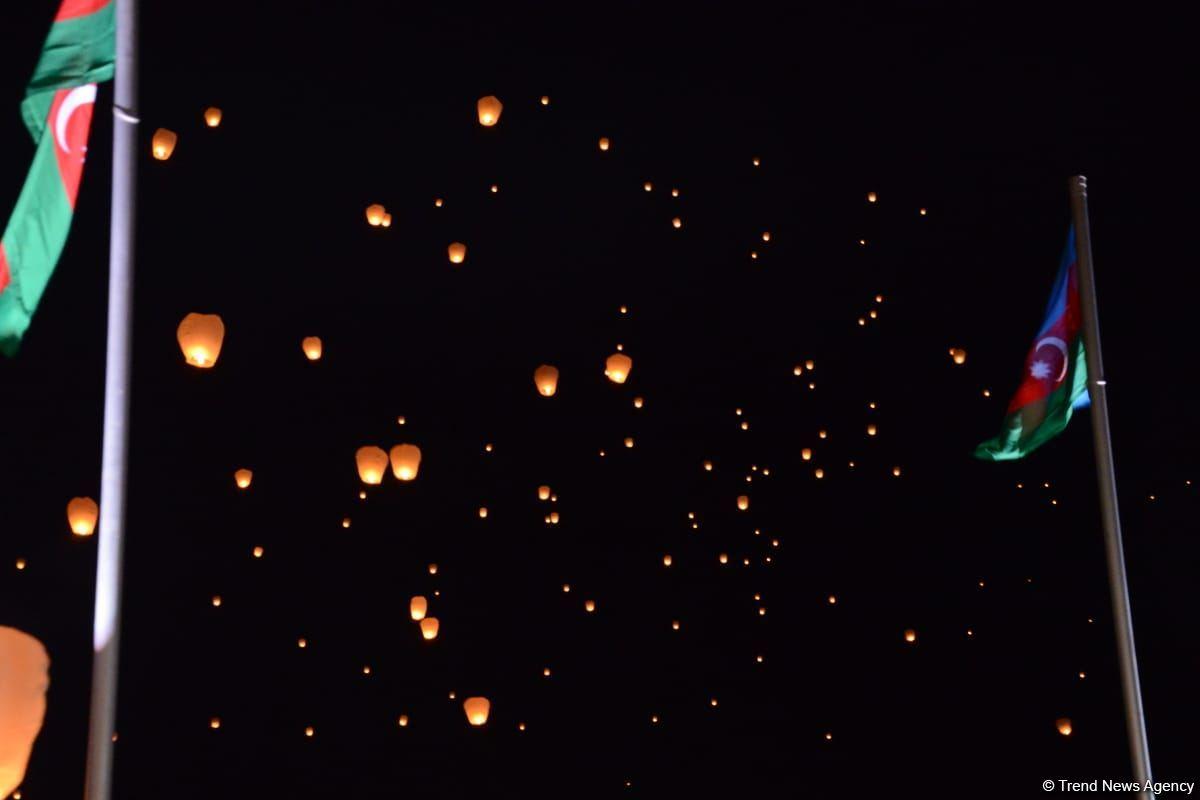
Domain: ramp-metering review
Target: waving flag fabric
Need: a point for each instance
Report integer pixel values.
(1055, 380)
(57, 110)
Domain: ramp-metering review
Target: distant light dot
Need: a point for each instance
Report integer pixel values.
(872, 197)
(438, 204)
(766, 237)
(829, 737)
(403, 721)
(345, 522)
(677, 222)
(832, 599)
(759, 659)
(756, 161)
(667, 560)
(896, 471)
(638, 402)
(723, 558)
(922, 212)
(487, 448)
(604, 143)
(309, 731)
(302, 643)
(362, 495)
(674, 193)
(910, 635)
(258, 552)
(589, 606)
(400, 420)
(1082, 675)
(366, 670)
(216, 601)
(20, 563)
(654, 719)
(1063, 724)
(629, 441)
(495, 188)
(745, 425)
(214, 723)
(433, 569)
(648, 186)
(546, 672)
(674, 624)
(520, 726)
(820, 473)
(713, 702)
(566, 587)
(545, 99)
(483, 512)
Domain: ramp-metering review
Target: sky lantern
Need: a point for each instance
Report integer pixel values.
(872, 197)
(667, 560)
(312, 347)
(589, 606)
(677, 222)
(375, 213)
(24, 678)
(604, 143)
(1063, 724)
(417, 608)
(406, 460)
(212, 116)
(638, 402)
(477, 709)
(242, 478)
(648, 186)
(386, 222)
(457, 252)
(429, 627)
(617, 367)
(910, 635)
(959, 355)
(545, 99)
(871, 429)
(743, 502)
(543, 492)
(81, 515)
(403, 720)
(372, 463)
(200, 337)
(806, 454)
(162, 144)
(489, 109)
(546, 379)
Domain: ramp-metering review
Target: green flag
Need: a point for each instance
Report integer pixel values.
(57, 110)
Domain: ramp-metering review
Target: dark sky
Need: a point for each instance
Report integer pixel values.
(977, 114)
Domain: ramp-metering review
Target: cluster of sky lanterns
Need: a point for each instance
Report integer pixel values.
(200, 338)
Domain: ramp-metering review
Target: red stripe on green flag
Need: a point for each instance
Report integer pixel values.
(57, 110)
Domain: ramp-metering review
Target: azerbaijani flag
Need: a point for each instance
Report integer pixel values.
(57, 110)
(1055, 381)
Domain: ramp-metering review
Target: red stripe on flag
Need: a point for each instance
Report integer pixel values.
(5, 276)
(1048, 361)
(68, 122)
(79, 8)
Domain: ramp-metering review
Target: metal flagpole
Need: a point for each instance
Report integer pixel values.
(1135, 723)
(107, 622)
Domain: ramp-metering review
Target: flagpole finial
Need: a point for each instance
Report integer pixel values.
(1078, 183)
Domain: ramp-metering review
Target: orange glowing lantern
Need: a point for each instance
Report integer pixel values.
(82, 513)
(417, 608)
(242, 478)
(375, 213)
(545, 378)
(958, 355)
(457, 252)
(429, 628)
(24, 678)
(372, 463)
(312, 347)
(406, 461)
(1063, 724)
(162, 144)
(604, 143)
(617, 367)
(543, 492)
(489, 109)
(212, 116)
(477, 709)
(200, 337)
(743, 502)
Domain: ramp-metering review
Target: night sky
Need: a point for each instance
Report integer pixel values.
(976, 116)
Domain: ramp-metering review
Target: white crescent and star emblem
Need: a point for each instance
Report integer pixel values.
(79, 96)
(1041, 369)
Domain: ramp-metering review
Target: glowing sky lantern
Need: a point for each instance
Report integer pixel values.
(212, 116)
(82, 513)
(872, 197)
(806, 454)
(375, 213)
(545, 99)
(386, 222)
(24, 678)
(406, 460)
(871, 429)
(457, 252)
(242, 478)
(312, 347)
(429, 628)
(959, 355)
(162, 144)
(477, 709)
(543, 492)
(545, 378)
(743, 502)
(910, 635)
(617, 367)
(372, 463)
(417, 608)
(604, 143)
(200, 337)
(1063, 724)
(489, 109)
(677, 222)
